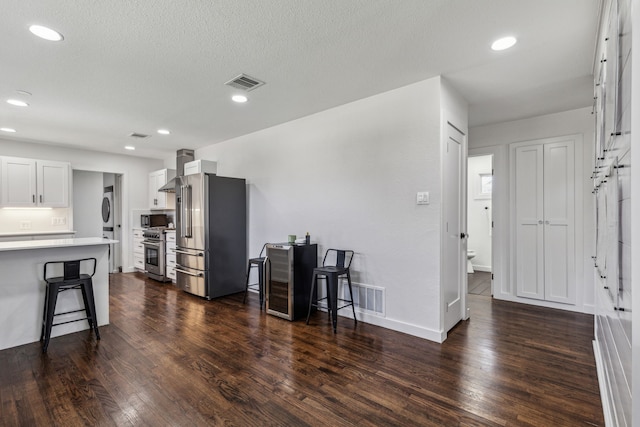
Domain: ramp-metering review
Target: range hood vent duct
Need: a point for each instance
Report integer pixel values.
(183, 156)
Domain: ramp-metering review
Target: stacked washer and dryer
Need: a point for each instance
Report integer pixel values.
(108, 223)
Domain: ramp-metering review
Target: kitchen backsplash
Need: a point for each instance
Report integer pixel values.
(14, 220)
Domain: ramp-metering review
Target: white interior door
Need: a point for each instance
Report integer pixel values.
(559, 238)
(454, 243)
(527, 198)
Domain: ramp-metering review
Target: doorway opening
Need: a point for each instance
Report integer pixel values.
(480, 224)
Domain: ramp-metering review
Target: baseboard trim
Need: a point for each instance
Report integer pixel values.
(398, 326)
(603, 382)
(484, 268)
(542, 303)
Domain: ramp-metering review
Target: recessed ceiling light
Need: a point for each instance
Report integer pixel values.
(503, 43)
(23, 92)
(7, 130)
(239, 98)
(17, 103)
(46, 33)
(163, 132)
(129, 147)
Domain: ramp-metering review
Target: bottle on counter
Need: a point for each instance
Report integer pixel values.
(307, 239)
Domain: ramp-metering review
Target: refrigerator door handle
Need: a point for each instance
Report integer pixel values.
(178, 251)
(188, 272)
(187, 212)
(186, 229)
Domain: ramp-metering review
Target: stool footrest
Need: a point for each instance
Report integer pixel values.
(68, 312)
(70, 321)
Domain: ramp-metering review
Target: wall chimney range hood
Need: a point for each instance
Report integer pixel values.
(183, 156)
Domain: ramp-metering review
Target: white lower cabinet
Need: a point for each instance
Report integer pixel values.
(170, 257)
(138, 249)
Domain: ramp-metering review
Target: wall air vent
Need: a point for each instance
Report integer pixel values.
(138, 135)
(244, 82)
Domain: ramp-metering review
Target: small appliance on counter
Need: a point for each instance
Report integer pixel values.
(153, 220)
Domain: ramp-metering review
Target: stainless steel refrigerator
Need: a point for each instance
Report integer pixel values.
(211, 235)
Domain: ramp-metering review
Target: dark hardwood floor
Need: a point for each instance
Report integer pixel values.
(169, 358)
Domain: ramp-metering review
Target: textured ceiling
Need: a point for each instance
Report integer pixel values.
(137, 66)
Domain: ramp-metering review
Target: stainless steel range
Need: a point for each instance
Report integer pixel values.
(154, 253)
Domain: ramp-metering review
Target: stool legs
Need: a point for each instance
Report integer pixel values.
(260, 283)
(49, 308)
(314, 278)
(353, 308)
(332, 288)
(51, 298)
(246, 283)
(332, 296)
(90, 307)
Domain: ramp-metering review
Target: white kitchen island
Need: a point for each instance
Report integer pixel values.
(22, 287)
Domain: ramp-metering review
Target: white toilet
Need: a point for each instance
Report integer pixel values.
(470, 254)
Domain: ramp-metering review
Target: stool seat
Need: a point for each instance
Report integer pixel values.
(71, 279)
(331, 270)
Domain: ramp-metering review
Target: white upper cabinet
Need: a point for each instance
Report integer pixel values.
(160, 199)
(31, 183)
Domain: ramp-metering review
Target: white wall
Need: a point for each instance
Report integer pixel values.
(87, 203)
(135, 171)
(349, 176)
(479, 213)
(495, 138)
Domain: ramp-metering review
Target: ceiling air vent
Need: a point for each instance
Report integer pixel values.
(138, 135)
(244, 82)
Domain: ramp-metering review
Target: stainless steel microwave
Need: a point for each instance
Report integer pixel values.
(154, 220)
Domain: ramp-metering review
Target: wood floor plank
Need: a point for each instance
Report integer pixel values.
(169, 358)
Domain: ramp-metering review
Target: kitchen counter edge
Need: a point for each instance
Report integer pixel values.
(54, 243)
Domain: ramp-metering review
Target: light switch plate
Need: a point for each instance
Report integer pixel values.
(422, 198)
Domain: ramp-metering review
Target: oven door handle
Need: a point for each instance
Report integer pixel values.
(178, 251)
(188, 272)
(155, 245)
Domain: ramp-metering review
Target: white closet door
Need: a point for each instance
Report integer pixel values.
(527, 196)
(559, 233)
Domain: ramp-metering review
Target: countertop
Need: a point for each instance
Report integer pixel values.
(37, 233)
(53, 243)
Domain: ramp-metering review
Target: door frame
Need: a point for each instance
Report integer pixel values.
(473, 153)
(499, 212)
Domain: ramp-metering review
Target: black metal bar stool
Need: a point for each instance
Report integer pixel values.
(71, 279)
(336, 263)
(256, 262)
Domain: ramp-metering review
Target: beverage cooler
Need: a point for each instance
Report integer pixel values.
(288, 285)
